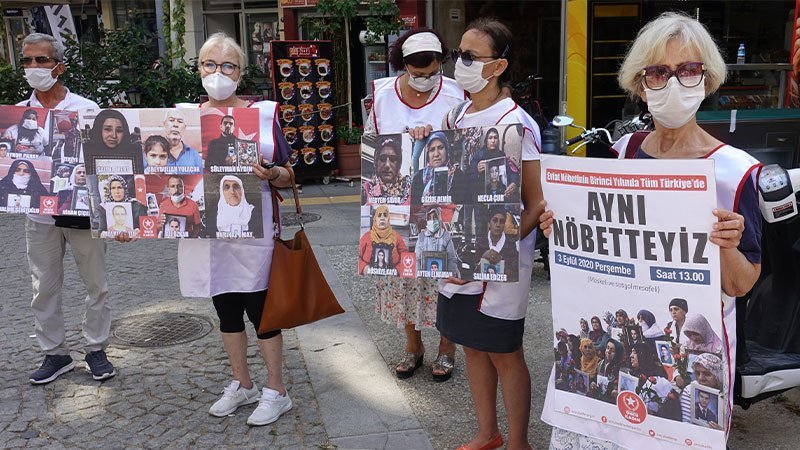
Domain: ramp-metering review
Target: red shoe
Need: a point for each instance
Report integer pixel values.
(495, 442)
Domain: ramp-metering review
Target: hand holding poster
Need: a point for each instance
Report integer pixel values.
(445, 206)
(627, 258)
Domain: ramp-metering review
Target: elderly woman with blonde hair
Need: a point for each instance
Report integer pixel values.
(673, 65)
(236, 274)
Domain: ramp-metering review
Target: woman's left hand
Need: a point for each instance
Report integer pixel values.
(727, 232)
(512, 187)
(264, 173)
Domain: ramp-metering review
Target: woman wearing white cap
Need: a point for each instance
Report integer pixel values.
(419, 96)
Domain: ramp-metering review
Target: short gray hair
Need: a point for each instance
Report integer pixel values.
(225, 43)
(55, 44)
(650, 47)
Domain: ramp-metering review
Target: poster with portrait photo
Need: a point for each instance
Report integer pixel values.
(65, 137)
(6, 148)
(27, 129)
(602, 385)
(706, 409)
(80, 199)
(385, 227)
(246, 153)
(617, 333)
(436, 264)
(165, 132)
(152, 204)
(496, 249)
(179, 195)
(636, 282)
(664, 353)
(113, 141)
(119, 220)
(496, 181)
(381, 257)
(385, 171)
(174, 227)
(581, 382)
(34, 186)
(233, 206)
(221, 129)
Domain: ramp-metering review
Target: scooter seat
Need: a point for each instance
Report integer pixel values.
(764, 360)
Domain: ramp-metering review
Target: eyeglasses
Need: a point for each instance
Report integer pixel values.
(27, 60)
(689, 74)
(467, 58)
(227, 68)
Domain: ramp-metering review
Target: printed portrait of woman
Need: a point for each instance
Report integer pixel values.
(381, 236)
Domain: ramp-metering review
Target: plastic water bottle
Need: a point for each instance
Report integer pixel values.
(740, 54)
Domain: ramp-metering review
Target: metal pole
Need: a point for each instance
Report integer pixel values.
(349, 71)
(562, 61)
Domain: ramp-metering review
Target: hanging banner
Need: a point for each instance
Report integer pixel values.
(628, 264)
(60, 19)
(303, 86)
(416, 197)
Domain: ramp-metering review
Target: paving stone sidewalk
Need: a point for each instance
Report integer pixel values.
(160, 397)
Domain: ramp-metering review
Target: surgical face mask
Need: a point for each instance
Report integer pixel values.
(40, 78)
(21, 181)
(675, 105)
(177, 198)
(219, 87)
(30, 124)
(470, 77)
(422, 84)
(432, 226)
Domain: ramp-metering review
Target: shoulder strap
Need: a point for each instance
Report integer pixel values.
(275, 208)
(634, 143)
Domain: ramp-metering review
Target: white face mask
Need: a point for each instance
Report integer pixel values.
(432, 226)
(219, 87)
(422, 84)
(30, 124)
(177, 198)
(21, 181)
(470, 77)
(40, 79)
(675, 105)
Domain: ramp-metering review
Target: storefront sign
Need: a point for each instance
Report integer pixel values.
(12, 12)
(409, 21)
(298, 3)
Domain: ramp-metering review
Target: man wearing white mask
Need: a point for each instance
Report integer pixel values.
(176, 203)
(46, 236)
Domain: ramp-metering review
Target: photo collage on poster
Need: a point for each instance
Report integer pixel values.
(41, 168)
(677, 370)
(445, 206)
(303, 78)
(173, 173)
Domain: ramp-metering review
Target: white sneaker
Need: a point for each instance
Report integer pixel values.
(233, 397)
(270, 408)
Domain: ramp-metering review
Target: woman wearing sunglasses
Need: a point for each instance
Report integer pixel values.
(488, 319)
(673, 65)
(419, 96)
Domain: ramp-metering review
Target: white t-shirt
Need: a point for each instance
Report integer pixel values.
(502, 300)
(71, 102)
(209, 267)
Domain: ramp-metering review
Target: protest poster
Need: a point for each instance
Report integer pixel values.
(148, 171)
(448, 205)
(629, 253)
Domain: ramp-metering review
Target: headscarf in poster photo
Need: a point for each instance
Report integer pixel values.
(228, 215)
(381, 236)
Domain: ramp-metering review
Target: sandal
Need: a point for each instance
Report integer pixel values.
(445, 365)
(408, 365)
(495, 442)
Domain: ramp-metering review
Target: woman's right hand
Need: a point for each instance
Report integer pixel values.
(123, 237)
(481, 166)
(420, 133)
(546, 220)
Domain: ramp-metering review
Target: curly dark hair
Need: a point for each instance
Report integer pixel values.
(421, 59)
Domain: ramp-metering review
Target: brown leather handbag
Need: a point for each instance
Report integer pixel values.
(298, 292)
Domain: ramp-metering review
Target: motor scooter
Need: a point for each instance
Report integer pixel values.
(768, 318)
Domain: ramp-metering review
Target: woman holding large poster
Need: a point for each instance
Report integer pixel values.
(488, 319)
(419, 96)
(673, 65)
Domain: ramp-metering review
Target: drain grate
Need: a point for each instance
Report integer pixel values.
(160, 330)
(289, 219)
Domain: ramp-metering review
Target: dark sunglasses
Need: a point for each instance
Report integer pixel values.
(467, 58)
(689, 74)
(392, 158)
(27, 60)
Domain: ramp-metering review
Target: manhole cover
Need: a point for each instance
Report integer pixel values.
(160, 330)
(289, 219)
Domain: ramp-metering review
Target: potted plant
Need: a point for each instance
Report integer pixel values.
(348, 149)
